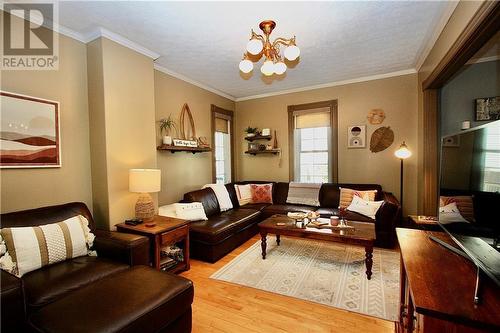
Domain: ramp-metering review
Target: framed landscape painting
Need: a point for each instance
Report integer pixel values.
(29, 133)
(488, 108)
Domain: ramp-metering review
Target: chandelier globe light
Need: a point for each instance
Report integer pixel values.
(260, 45)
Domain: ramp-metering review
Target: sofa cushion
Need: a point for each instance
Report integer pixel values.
(219, 227)
(139, 299)
(353, 216)
(51, 282)
(207, 197)
(284, 209)
(256, 206)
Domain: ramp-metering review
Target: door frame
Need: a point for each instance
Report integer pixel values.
(484, 24)
(214, 109)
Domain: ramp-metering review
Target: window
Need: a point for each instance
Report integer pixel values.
(313, 142)
(491, 172)
(222, 126)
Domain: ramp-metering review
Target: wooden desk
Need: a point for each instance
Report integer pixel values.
(437, 288)
(168, 231)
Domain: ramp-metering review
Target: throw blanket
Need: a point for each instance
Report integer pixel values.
(303, 194)
(222, 196)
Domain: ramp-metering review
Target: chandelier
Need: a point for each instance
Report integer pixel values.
(259, 46)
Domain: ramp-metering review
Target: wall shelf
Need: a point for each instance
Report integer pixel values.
(174, 149)
(267, 151)
(258, 137)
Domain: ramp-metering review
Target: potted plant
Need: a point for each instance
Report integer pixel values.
(251, 131)
(167, 125)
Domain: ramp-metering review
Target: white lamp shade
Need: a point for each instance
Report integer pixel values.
(402, 152)
(144, 180)
(246, 66)
(254, 46)
(292, 52)
(279, 68)
(267, 68)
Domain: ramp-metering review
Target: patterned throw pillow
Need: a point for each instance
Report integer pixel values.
(30, 248)
(262, 193)
(464, 204)
(244, 194)
(346, 195)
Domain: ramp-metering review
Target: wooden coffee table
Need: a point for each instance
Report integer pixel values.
(362, 234)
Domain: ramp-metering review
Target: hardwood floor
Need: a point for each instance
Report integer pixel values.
(225, 307)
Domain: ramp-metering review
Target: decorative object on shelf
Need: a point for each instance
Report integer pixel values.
(144, 181)
(262, 147)
(269, 147)
(167, 125)
(203, 142)
(253, 146)
(251, 131)
(381, 139)
(191, 135)
(356, 136)
(185, 143)
(266, 132)
(30, 132)
(275, 143)
(376, 116)
(488, 108)
(402, 153)
(451, 141)
(259, 46)
(465, 124)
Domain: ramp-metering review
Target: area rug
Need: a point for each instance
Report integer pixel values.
(324, 272)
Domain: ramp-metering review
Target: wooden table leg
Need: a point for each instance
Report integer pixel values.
(263, 243)
(369, 261)
(278, 240)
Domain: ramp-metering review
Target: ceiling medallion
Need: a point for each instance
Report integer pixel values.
(259, 46)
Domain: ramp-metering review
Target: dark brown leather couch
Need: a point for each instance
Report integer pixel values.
(93, 294)
(224, 231)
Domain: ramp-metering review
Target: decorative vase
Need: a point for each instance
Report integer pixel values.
(249, 135)
(167, 140)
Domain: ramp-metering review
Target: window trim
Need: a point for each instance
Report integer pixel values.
(333, 106)
(225, 114)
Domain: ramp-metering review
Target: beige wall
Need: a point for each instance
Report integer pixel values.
(128, 124)
(30, 188)
(460, 18)
(397, 96)
(183, 172)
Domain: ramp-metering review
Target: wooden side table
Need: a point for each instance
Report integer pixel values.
(167, 231)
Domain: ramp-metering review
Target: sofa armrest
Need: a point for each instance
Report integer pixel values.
(127, 248)
(12, 300)
(387, 218)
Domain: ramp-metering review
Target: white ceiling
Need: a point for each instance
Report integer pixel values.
(204, 41)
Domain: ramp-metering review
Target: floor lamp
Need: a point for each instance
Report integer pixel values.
(402, 153)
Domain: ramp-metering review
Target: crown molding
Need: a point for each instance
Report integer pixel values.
(483, 59)
(193, 82)
(117, 38)
(420, 59)
(331, 84)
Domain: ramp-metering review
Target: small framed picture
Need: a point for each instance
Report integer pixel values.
(451, 141)
(266, 131)
(356, 136)
(487, 108)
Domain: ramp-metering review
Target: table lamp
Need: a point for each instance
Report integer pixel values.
(402, 153)
(144, 181)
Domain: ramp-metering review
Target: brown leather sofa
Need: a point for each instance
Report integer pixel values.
(224, 231)
(112, 292)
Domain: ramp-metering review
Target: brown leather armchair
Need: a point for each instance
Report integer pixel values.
(27, 301)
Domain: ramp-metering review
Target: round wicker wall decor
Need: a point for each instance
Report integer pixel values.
(381, 139)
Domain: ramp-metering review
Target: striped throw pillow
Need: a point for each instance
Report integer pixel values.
(346, 195)
(244, 194)
(31, 248)
(464, 204)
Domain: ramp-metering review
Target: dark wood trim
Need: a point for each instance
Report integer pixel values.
(484, 25)
(214, 110)
(333, 105)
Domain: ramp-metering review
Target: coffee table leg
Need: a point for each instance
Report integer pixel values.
(278, 240)
(369, 261)
(263, 244)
